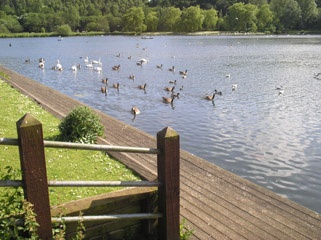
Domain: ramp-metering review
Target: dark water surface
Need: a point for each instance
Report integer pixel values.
(268, 138)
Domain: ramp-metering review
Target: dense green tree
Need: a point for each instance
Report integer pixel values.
(33, 22)
(72, 18)
(287, 14)
(133, 20)
(258, 2)
(168, 18)
(151, 21)
(9, 24)
(265, 19)
(210, 19)
(242, 17)
(191, 19)
(309, 11)
(159, 15)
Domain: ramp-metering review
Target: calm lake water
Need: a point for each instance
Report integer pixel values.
(271, 139)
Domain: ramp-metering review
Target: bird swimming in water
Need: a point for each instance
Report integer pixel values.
(135, 110)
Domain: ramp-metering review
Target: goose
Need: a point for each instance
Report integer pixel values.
(228, 75)
(168, 99)
(160, 66)
(116, 85)
(27, 60)
(281, 91)
(184, 73)
(234, 87)
(142, 86)
(181, 88)
(177, 95)
(172, 82)
(104, 89)
(279, 88)
(210, 97)
(169, 89)
(135, 110)
(116, 68)
(316, 75)
(105, 80)
(172, 69)
(132, 77)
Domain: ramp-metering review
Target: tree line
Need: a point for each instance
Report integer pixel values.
(138, 16)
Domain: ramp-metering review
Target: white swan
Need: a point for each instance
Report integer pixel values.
(74, 67)
(98, 68)
(86, 60)
(89, 65)
(96, 62)
(58, 66)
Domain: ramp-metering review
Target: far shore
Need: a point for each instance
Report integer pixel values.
(198, 33)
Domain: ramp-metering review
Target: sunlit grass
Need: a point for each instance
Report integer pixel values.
(62, 164)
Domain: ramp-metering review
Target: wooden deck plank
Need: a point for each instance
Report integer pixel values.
(217, 204)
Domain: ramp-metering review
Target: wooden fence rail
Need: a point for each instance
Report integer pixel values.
(35, 184)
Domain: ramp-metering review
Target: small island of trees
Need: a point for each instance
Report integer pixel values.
(64, 17)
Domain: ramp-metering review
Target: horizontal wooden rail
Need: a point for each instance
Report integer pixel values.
(54, 183)
(136, 216)
(82, 146)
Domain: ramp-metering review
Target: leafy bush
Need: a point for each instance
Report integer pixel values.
(12, 208)
(64, 30)
(81, 125)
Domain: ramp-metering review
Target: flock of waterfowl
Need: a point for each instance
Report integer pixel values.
(172, 89)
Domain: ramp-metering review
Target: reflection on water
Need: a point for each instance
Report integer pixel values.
(269, 138)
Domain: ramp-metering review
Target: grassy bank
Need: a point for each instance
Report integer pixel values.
(62, 164)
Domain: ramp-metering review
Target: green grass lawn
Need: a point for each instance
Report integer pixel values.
(62, 164)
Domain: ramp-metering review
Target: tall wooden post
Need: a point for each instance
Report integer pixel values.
(34, 174)
(168, 192)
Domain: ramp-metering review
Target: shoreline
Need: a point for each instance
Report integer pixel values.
(198, 33)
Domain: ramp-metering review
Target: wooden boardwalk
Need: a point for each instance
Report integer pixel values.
(215, 203)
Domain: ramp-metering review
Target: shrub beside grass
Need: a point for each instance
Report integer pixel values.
(62, 164)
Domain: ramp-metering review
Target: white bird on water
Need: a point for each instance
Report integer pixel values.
(58, 66)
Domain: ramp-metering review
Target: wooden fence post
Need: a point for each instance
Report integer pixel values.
(34, 173)
(168, 192)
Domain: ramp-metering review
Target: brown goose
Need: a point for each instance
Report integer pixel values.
(142, 86)
(210, 97)
(169, 89)
(168, 99)
(135, 110)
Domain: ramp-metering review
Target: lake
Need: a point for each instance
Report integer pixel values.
(268, 136)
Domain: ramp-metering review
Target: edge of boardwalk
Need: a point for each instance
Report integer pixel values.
(216, 204)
